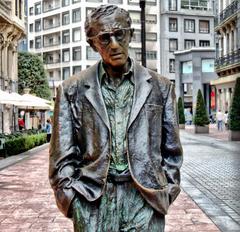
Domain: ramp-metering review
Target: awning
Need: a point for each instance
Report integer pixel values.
(26, 101)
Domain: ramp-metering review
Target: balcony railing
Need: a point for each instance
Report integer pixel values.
(229, 59)
(230, 10)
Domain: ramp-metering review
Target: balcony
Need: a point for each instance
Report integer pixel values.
(229, 11)
(228, 60)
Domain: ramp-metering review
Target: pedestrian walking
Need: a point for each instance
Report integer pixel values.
(49, 130)
(225, 119)
(219, 118)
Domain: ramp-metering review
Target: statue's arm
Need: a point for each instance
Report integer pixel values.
(63, 153)
(171, 146)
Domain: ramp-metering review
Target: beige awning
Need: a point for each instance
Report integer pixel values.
(26, 101)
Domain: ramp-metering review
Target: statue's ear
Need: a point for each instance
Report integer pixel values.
(92, 45)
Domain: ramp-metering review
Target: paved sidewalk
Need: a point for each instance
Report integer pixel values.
(213, 132)
(27, 203)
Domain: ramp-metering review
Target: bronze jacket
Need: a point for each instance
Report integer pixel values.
(80, 144)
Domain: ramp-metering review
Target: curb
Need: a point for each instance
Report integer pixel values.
(11, 160)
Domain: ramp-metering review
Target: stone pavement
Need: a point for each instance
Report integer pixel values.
(210, 175)
(27, 203)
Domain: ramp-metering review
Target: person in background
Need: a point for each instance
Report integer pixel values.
(49, 130)
(220, 117)
(225, 119)
(21, 123)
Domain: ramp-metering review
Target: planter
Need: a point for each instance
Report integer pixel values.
(181, 126)
(201, 129)
(234, 135)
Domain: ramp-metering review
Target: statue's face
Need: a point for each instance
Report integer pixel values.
(112, 40)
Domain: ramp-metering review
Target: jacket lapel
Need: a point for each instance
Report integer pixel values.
(94, 94)
(141, 92)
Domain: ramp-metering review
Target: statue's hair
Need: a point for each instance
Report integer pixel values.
(101, 12)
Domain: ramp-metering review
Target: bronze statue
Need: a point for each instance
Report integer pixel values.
(115, 152)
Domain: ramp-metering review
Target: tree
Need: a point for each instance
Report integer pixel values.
(201, 115)
(31, 74)
(181, 116)
(234, 114)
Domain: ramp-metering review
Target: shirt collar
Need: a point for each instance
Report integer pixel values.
(102, 73)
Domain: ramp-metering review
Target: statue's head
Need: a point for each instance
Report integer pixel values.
(108, 31)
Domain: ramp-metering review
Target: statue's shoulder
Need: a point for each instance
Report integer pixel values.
(163, 82)
(78, 80)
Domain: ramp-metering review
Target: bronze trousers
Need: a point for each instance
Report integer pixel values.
(120, 209)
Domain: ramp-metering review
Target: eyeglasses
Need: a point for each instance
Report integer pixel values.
(105, 37)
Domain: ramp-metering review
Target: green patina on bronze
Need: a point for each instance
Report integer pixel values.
(118, 101)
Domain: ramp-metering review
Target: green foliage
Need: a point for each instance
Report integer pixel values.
(181, 116)
(201, 116)
(234, 114)
(21, 142)
(31, 74)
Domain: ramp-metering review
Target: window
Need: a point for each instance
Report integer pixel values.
(151, 55)
(50, 74)
(151, 19)
(173, 24)
(150, 36)
(65, 36)
(115, 1)
(135, 16)
(37, 8)
(76, 53)
(65, 2)
(172, 65)
(31, 27)
(195, 4)
(172, 5)
(173, 45)
(37, 25)
(65, 73)
(203, 26)
(207, 65)
(91, 54)
(189, 43)
(75, 1)
(76, 15)
(31, 11)
(31, 43)
(204, 43)
(187, 67)
(65, 18)
(189, 25)
(76, 34)
(136, 36)
(38, 42)
(65, 55)
(76, 69)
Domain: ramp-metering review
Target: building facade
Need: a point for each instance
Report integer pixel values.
(227, 65)
(56, 32)
(11, 30)
(194, 71)
(184, 24)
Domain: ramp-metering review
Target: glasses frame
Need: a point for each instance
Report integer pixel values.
(111, 34)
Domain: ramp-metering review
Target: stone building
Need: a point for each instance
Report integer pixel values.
(227, 65)
(194, 71)
(11, 30)
(184, 24)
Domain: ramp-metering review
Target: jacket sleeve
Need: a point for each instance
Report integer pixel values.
(171, 146)
(63, 154)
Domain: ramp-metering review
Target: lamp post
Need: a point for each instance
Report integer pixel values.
(143, 31)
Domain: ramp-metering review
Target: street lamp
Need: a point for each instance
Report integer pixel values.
(143, 31)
